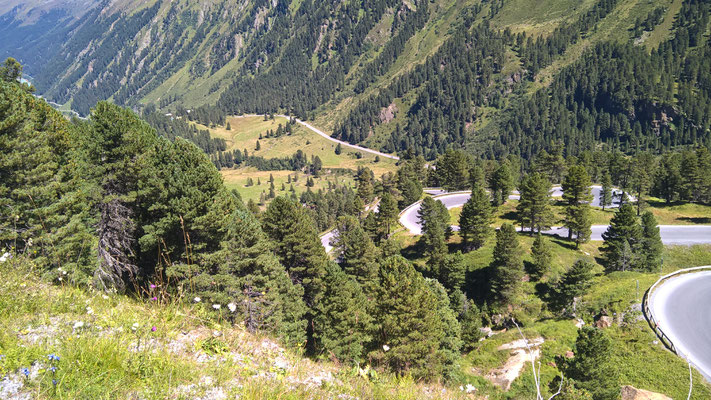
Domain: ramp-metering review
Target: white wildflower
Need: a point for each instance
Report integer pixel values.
(134, 326)
(216, 306)
(386, 347)
(105, 297)
(4, 257)
(470, 388)
(197, 299)
(232, 307)
(89, 311)
(78, 324)
(60, 278)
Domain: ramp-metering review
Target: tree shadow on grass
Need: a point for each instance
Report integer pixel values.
(695, 220)
(563, 243)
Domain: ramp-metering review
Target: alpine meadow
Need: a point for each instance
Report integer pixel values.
(355, 199)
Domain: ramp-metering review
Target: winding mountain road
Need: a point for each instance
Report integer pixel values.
(680, 306)
(671, 234)
(323, 134)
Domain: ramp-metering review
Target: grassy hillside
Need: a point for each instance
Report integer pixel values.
(244, 133)
(117, 347)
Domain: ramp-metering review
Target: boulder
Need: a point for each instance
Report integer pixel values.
(632, 393)
(604, 322)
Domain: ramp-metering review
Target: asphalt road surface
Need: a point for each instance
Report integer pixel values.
(681, 307)
(671, 234)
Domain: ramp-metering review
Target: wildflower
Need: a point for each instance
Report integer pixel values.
(154, 298)
(6, 256)
(53, 369)
(216, 306)
(25, 372)
(64, 272)
(53, 357)
(470, 388)
(232, 307)
(153, 329)
(386, 347)
(134, 326)
(60, 278)
(78, 324)
(54, 382)
(197, 299)
(105, 297)
(153, 286)
(89, 311)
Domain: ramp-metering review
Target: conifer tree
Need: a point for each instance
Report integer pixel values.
(622, 240)
(451, 343)
(470, 321)
(576, 195)
(574, 283)
(591, 368)
(506, 265)
(338, 149)
(476, 218)
(228, 127)
(501, 184)
(542, 256)
(651, 246)
(452, 272)
(354, 250)
(667, 182)
(409, 334)
(387, 213)
(245, 272)
(364, 182)
(258, 146)
(534, 208)
(343, 326)
(606, 191)
(297, 245)
(453, 170)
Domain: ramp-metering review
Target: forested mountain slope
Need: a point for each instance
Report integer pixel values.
(495, 76)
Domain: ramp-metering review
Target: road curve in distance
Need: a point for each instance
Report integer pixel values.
(681, 307)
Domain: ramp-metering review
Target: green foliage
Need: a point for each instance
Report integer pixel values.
(541, 255)
(452, 171)
(11, 70)
(507, 265)
(622, 239)
(451, 343)
(297, 245)
(534, 209)
(245, 273)
(476, 218)
(651, 246)
(342, 326)
(470, 321)
(354, 250)
(409, 334)
(576, 195)
(501, 184)
(387, 213)
(573, 284)
(591, 367)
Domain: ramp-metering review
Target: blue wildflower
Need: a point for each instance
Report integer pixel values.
(53, 369)
(54, 382)
(25, 371)
(2, 357)
(53, 357)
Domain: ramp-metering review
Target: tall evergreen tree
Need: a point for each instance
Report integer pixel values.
(573, 284)
(387, 213)
(534, 208)
(451, 342)
(453, 170)
(651, 246)
(576, 195)
(476, 218)
(355, 250)
(343, 327)
(470, 321)
(542, 256)
(606, 191)
(506, 265)
(591, 368)
(622, 238)
(501, 183)
(409, 334)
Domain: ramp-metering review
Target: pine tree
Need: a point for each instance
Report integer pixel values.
(606, 192)
(258, 146)
(245, 272)
(534, 208)
(297, 245)
(364, 181)
(501, 184)
(542, 256)
(622, 239)
(228, 127)
(338, 149)
(452, 170)
(354, 250)
(470, 321)
(451, 343)
(452, 272)
(343, 327)
(387, 213)
(652, 246)
(667, 182)
(574, 283)
(576, 195)
(476, 218)
(591, 368)
(409, 334)
(506, 265)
